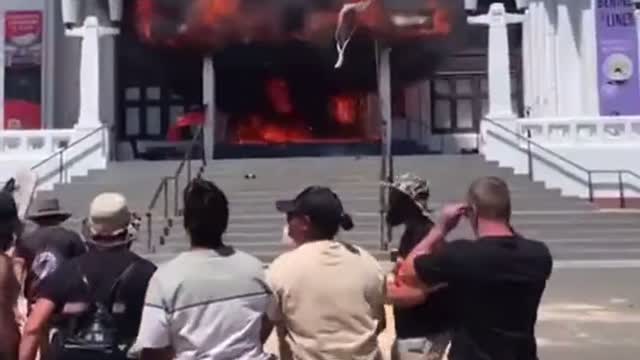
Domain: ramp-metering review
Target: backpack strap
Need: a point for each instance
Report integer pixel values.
(114, 292)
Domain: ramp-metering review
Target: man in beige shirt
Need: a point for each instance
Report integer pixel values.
(328, 295)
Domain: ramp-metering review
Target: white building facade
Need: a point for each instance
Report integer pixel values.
(581, 91)
(573, 75)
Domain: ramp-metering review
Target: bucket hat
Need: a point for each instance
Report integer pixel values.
(48, 209)
(416, 188)
(109, 218)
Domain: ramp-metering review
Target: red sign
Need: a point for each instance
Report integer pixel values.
(20, 114)
(23, 69)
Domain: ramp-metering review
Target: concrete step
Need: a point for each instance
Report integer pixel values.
(78, 204)
(531, 219)
(371, 234)
(140, 195)
(268, 252)
(605, 231)
(523, 224)
(440, 181)
(531, 229)
(559, 246)
(266, 257)
(573, 228)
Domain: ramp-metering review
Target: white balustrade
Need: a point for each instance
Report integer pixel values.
(33, 144)
(603, 131)
(20, 149)
(591, 143)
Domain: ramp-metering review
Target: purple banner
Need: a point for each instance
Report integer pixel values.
(618, 80)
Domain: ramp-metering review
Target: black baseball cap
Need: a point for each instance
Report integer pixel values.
(320, 204)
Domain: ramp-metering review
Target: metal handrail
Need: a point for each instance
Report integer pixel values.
(59, 155)
(587, 171)
(163, 187)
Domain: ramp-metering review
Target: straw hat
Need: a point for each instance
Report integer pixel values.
(109, 215)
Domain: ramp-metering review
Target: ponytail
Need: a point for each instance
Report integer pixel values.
(346, 222)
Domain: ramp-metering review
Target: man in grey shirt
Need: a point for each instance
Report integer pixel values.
(210, 302)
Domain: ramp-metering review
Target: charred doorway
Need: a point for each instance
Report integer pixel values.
(274, 89)
(261, 105)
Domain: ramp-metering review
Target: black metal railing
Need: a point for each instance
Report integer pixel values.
(590, 173)
(59, 155)
(172, 182)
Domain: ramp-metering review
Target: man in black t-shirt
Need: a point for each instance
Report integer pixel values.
(423, 330)
(496, 281)
(49, 245)
(90, 278)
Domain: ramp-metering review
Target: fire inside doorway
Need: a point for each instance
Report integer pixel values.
(276, 83)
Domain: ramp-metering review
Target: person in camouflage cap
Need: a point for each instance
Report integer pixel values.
(416, 188)
(423, 331)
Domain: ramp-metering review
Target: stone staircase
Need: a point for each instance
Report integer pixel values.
(574, 229)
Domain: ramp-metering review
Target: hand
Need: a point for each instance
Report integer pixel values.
(404, 295)
(397, 265)
(451, 215)
(405, 272)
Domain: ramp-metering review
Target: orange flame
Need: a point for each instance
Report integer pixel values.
(144, 13)
(288, 127)
(344, 109)
(280, 96)
(256, 129)
(212, 10)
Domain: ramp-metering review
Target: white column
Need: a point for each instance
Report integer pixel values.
(637, 16)
(49, 64)
(209, 101)
(541, 84)
(569, 66)
(500, 104)
(549, 89)
(90, 32)
(538, 52)
(386, 133)
(384, 97)
(528, 62)
(589, 53)
(529, 66)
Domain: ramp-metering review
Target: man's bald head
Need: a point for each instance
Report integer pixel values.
(490, 198)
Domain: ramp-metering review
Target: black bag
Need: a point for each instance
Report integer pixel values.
(94, 334)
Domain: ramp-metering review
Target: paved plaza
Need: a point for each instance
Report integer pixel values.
(587, 314)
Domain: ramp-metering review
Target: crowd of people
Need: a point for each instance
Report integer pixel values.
(87, 296)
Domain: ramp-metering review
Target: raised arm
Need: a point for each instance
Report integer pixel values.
(405, 287)
(450, 218)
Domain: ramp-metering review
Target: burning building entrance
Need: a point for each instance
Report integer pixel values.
(264, 102)
(274, 62)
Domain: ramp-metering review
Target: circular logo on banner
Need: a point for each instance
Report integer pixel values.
(618, 67)
(14, 124)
